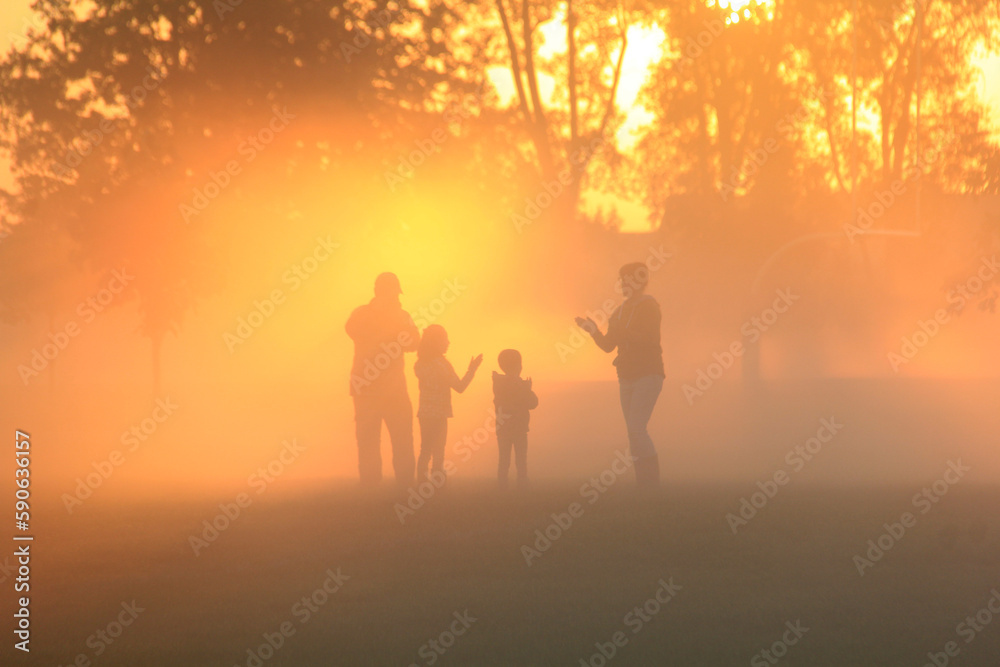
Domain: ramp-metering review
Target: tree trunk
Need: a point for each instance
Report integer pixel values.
(571, 41)
(541, 132)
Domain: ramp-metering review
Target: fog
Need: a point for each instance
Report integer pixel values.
(228, 403)
(199, 237)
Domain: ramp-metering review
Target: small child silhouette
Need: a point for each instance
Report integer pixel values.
(436, 378)
(513, 398)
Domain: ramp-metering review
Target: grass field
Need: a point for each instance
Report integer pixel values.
(462, 552)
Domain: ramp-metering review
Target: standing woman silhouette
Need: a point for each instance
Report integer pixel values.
(634, 329)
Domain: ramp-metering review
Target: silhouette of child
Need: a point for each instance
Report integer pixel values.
(513, 398)
(436, 378)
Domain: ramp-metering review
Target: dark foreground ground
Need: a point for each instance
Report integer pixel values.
(461, 553)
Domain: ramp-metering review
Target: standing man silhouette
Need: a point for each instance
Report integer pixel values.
(382, 333)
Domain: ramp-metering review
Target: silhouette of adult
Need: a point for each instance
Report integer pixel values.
(382, 333)
(634, 329)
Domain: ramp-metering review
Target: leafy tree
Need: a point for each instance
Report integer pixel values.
(784, 72)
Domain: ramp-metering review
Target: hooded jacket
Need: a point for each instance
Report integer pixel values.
(513, 398)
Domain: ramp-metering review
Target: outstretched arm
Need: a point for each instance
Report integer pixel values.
(459, 385)
(604, 341)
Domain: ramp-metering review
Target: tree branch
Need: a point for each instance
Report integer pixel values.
(610, 106)
(529, 63)
(834, 155)
(571, 41)
(540, 125)
(515, 64)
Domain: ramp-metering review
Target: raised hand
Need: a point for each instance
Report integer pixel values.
(587, 324)
(474, 363)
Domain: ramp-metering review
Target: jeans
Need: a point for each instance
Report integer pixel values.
(397, 412)
(638, 398)
(433, 434)
(519, 442)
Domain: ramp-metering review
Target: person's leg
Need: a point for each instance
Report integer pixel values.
(426, 433)
(399, 420)
(504, 442)
(440, 438)
(368, 430)
(638, 408)
(521, 457)
(625, 390)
